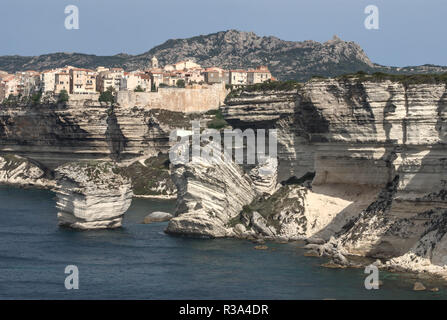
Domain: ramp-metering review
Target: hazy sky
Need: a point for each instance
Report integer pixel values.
(411, 32)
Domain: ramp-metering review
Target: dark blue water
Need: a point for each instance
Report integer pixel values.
(141, 262)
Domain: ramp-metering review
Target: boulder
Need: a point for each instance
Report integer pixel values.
(418, 286)
(157, 216)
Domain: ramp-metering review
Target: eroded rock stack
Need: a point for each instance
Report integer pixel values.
(90, 195)
(212, 191)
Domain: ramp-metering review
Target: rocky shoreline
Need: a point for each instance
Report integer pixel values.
(21, 172)
(360, 172)
(362, 165)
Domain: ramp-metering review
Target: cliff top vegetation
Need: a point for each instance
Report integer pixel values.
(405, 79)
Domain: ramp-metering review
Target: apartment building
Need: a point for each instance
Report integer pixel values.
(131, 81)
(170, 79)
(62, 82)
(258, 75)
(83, 81)
(238, 77)
(214, 75)
(48, 80)
(109, 78)
(8, 86)
(156, 76)
(194, 75)
(27, 82)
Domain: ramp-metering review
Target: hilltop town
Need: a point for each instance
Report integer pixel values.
(71, 80)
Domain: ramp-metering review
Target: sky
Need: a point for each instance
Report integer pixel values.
(411, 32)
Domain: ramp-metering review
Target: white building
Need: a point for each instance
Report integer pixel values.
(131, 81)
(109, 78)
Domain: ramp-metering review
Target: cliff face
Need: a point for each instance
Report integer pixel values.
(211, 192)
(16, 170)
(390, 135)
(86, 130)
(91, 195)
(359, 132)
(378, 152)
(274, 110)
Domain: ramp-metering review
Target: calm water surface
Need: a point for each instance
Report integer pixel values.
(141, 262)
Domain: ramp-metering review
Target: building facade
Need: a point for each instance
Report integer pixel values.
(259, 75)
(62, 82)
(83, 81)
(109, 78)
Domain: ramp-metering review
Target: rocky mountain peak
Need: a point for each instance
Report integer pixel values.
(297, 60)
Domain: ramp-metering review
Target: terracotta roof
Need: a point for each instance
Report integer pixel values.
(258, 71)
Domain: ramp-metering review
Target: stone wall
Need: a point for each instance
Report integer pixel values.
(83, 97)
(176, 99)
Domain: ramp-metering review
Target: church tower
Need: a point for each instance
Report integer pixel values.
(154, 62)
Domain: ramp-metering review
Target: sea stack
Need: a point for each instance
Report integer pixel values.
(91, 195)
(212, 192)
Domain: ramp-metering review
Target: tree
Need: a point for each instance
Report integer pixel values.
(180, 83)
(11, 98)
(153, 88)
(35, 98)
(108, 95)
(112, 90)
(138, 89)
(63, 96)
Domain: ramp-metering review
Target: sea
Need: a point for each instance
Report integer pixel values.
(140, 261)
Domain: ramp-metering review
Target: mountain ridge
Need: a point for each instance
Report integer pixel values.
(297, 60)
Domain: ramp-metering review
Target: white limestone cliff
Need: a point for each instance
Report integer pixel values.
(19, 171)
(91, 195)
(213, 191)
(377, 148)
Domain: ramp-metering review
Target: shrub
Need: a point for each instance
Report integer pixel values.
(180, 83)
(35, 98)
(107, 96)
(274, 85)
(218, 122)
(405, 79)
(63, 96)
